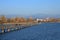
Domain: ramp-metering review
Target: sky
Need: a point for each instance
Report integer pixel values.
(30, 7)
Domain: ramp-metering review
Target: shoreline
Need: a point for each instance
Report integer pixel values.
(15, 27)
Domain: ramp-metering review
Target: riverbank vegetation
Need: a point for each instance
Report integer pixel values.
(3, 19)
(23, 20)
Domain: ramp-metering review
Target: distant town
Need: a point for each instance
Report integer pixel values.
(23, 20)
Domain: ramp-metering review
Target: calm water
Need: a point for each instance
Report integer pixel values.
(44, 31)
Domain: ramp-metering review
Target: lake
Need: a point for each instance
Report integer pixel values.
(43, 31)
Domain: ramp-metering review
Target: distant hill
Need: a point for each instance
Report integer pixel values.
(40, 15)
(37, 15)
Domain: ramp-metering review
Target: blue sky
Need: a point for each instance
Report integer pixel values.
(29, 7)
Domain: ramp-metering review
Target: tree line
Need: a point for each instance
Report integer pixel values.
(3, 19)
